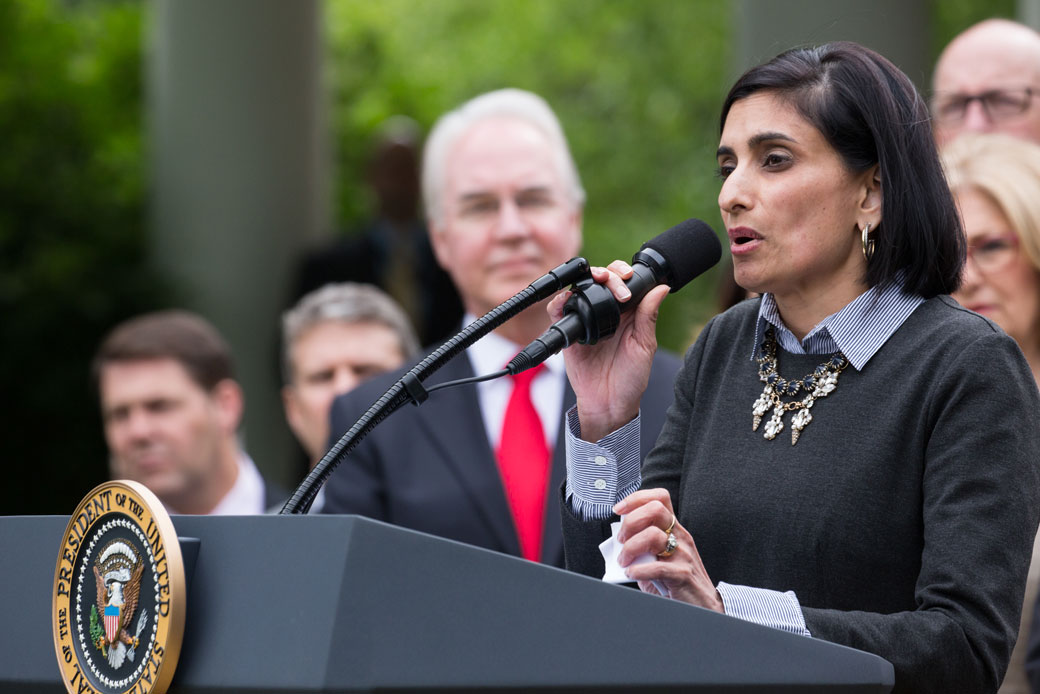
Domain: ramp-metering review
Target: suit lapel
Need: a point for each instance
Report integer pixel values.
(453, 422)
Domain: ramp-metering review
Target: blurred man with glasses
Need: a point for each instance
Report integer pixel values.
(987, 80)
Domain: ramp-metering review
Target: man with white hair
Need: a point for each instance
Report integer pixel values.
(988, 80)
(484, 464)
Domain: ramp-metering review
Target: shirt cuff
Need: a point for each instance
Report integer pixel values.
(770, 608)
(603, 473)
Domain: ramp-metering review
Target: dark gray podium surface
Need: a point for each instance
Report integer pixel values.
(345, 604)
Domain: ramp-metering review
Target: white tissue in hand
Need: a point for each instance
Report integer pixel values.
(610, 549)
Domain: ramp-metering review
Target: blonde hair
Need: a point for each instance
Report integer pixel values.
(1007, 170)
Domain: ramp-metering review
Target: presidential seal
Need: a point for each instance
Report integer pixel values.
(119, 594)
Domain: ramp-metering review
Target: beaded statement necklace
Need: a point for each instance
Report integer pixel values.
(818, 384)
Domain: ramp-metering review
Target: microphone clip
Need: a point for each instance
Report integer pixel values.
(595, 306)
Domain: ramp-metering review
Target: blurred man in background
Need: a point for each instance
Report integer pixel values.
(484, 464)
(988, 80)
(171, 407)
(333, 339)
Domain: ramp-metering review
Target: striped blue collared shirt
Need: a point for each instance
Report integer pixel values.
(858, 331)
(601, 474)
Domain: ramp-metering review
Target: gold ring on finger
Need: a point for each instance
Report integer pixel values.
(669, 546)
(668, 530)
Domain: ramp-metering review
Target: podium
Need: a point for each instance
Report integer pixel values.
(346, 604)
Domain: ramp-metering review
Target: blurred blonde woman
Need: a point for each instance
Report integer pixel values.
(996, 184)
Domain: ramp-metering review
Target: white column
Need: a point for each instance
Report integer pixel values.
(1028, 12)
(897, 29)
(239, 177)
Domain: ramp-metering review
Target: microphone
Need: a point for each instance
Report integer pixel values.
(591, 313)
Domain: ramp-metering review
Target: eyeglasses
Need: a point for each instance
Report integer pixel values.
(999, 104)
(993, 254)
(533, 205)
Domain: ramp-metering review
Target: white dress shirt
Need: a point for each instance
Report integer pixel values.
(491, 353)
(246, 496)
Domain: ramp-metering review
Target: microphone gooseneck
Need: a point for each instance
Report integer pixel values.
(673, 257)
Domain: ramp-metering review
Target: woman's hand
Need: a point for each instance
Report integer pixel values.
(647, 514)
(609, 377)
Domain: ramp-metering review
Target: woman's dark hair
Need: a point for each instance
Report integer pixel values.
(870, 113)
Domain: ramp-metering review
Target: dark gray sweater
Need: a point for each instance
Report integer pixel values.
(904, 517)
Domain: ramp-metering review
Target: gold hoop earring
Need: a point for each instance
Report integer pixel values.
(868, 243)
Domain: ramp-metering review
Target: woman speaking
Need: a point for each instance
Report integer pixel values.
(851, 456)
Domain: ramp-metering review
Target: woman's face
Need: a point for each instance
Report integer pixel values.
(999, 281)
(790, 205)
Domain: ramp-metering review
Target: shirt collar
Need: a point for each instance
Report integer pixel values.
(858, 331)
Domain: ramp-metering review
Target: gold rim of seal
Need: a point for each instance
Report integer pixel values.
(171, 633)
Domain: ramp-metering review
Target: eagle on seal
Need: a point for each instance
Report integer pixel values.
(117, 593)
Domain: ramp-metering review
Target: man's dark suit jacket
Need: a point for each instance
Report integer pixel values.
(431, 468)
(366, 258)
(275, 496)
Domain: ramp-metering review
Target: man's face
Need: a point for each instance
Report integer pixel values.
(1002, 69)
(329, 359)
(507, 217)
(163, 429)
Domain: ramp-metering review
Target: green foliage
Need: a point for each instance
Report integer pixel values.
(636, 84)
(96, 631)
(71, 228)
(951, 17)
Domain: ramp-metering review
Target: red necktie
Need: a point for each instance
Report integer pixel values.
(523, 461)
